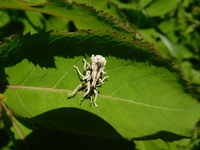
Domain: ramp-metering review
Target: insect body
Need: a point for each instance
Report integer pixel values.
(92, 78)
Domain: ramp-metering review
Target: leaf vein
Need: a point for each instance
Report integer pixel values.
(23, 103)
(104, 96)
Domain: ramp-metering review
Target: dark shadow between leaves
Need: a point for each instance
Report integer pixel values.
(4, 139)
(47, 139)
(164, 135)
(3, 81)
(73, 129)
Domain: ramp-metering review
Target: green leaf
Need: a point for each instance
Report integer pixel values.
(183, 144)
(4, 19)
(57, 23)
(105, 5)
(160, 7)
(144, 97)
(81, 13)
(172, 48)
(155, 145)
(32, 22)
(128, 4)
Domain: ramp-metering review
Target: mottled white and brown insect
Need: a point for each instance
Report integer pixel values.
(92, 78)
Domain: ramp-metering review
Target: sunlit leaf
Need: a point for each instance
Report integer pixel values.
(144, 97)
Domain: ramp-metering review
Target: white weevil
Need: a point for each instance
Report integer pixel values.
(92, 78)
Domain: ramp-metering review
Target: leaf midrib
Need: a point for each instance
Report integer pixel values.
(104, 96)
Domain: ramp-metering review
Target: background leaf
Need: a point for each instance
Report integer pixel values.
(173, 49)
(80, 13)
(143, 89)
(159, 7)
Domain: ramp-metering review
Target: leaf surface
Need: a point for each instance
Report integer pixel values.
(143, 98)
(85, 15)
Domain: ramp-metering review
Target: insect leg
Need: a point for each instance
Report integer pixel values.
(87, 75)
(87, 91)
(76, 89)
(95, 97)
(90, 100)
(85, 64)
(78, 71)
(82, 100)
(102, 81)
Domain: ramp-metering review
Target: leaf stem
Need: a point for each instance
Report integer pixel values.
(10, 116)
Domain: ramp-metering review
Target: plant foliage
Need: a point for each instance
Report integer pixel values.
(144, 98)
